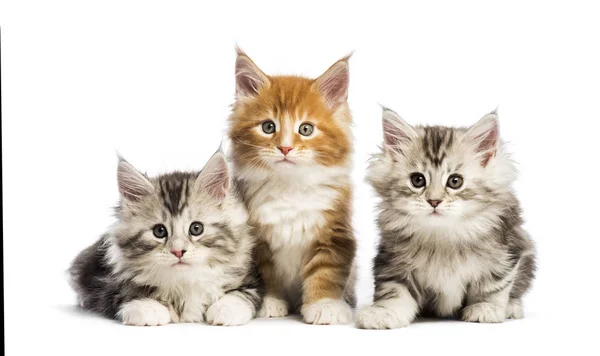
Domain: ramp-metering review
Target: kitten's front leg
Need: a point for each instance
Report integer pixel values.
(238, 306)
(232, 309)
(326, 274)
(397, 297)
(273, 304)
(487, 300)
(393, 307)
(144, 312)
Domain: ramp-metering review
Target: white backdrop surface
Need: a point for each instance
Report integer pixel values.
(154, 81)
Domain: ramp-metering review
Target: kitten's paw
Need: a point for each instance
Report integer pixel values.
(514, 309)
(483, 313)
(144, 312)
(378, 317)
(230, 310)
(327, 312)
(273, 308)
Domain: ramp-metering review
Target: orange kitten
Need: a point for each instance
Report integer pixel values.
(291, 145)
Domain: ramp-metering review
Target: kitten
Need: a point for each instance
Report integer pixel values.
(180, 251)
(452, 244)
(291, 145)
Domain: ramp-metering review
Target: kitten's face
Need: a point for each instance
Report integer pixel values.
(283, 123)
(173, 224)
(439, 181)
(441, 177)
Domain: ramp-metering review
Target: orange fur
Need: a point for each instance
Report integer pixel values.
(290, 97)
(326, 272)
(321, 167)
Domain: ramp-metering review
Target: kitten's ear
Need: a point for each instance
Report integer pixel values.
(214, 178)
(333, 84)
(249, 79)
(397, 134)
(485, 135)
(133, 185)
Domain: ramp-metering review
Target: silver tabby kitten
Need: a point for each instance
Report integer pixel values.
(451, 238)
(180, 251)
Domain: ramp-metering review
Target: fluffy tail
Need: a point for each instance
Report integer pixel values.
(88, 274)
(525, 275)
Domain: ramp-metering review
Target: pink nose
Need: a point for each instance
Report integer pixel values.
(285, 149)
(178, 253)
(434, 203)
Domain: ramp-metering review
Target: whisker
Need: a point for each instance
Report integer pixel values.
(246, 143)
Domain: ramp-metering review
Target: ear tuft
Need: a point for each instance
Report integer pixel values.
(397, 134)
(485, 135)
(133, 185)
(333, 84)
(249, 79)
(214, 178)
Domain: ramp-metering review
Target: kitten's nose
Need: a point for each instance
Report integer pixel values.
(178, 253)
(285, 149)
(434, 203)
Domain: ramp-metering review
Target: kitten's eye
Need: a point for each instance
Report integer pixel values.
(196, 228)
(160, 231)
(268, 127)
(455, 181)
(306, 129)
(417, 180)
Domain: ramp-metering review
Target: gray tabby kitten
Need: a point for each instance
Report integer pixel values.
(451, 244)
(180, 251)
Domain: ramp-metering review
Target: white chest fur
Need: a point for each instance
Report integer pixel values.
(289, 213)
(195, 300)
(189, 293)
(448, 274)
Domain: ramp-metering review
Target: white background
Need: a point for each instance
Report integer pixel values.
(154, 81)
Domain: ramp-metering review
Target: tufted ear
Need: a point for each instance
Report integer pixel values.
(133, 185)
(214, 178)
(249, 79)
(333, 84)
(484, 136)
(397, 134)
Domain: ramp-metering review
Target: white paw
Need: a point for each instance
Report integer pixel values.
(327, 312)
(273, 308)
(514, 310)
(483, 313)
(230, 310)
(144, 312)
(378, 317)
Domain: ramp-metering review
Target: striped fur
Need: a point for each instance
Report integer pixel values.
(131, 275)
(299, 202)
(468, 257)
